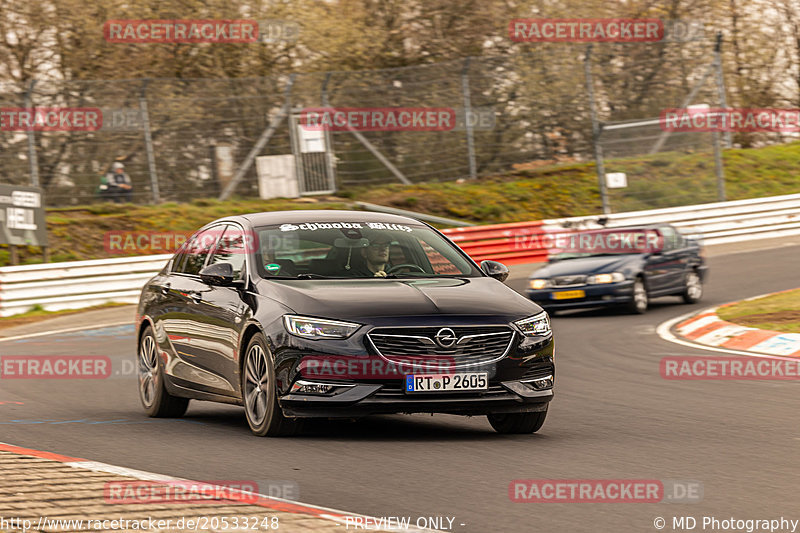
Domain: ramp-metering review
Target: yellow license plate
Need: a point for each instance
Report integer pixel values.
(566, 295)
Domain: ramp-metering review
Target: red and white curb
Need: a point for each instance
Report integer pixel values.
(706, 328)
(268, 502)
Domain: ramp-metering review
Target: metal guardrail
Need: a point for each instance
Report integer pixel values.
(719, 222)
(77, 284)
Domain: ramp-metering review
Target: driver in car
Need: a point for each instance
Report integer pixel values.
(376, 258)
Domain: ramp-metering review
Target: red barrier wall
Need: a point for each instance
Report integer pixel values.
(506, 243)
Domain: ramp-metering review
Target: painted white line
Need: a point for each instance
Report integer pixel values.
(66, 330)
(663, 331)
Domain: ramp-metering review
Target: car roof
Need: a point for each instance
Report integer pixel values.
(299, 216)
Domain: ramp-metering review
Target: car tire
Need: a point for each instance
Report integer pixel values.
(693, 287)
(517, 423)
(157, 402)
(640, 301)
(259, 393)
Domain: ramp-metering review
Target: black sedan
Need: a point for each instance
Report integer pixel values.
(331, 314)
(619, 267)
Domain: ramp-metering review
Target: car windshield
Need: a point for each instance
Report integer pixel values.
(351, 250)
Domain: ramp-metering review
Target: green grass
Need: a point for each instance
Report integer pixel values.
(37, 313)
(659, 180)
(532, 192)
(777, 312)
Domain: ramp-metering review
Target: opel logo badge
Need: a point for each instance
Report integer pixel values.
(445, 337)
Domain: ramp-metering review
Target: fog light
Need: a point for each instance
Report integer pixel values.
(540, 383)
(311, 387)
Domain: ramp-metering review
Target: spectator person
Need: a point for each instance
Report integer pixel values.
(103, 190)
(120, 187)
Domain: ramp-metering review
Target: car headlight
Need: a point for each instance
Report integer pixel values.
(613, 277)
(537, 325)
(318, 328)
(539, 283)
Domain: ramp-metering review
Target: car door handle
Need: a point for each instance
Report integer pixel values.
(165, 289)
(196, 296)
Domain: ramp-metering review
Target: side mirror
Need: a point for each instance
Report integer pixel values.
(218, 274)
(495, 270)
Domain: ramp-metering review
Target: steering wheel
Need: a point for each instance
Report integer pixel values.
(405, 265)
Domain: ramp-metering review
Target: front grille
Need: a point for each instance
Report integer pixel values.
(474, 345)
(569, 281)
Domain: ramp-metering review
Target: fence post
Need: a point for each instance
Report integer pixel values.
(148, 142)
(723, 103)
(32, 157)
(718, 166)
(596, 131)
(330, 154)
(473, 168)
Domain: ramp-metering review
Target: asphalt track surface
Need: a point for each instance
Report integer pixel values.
(612, 417)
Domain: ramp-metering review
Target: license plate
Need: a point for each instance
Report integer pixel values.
(566, 295)
(467, 381)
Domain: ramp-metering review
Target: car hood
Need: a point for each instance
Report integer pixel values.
(587, 265)
(368, 298)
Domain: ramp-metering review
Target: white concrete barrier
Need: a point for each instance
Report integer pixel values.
(75, 284)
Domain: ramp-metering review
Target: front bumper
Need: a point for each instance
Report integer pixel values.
(368, 399)
(527, 360)
(605, 294)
